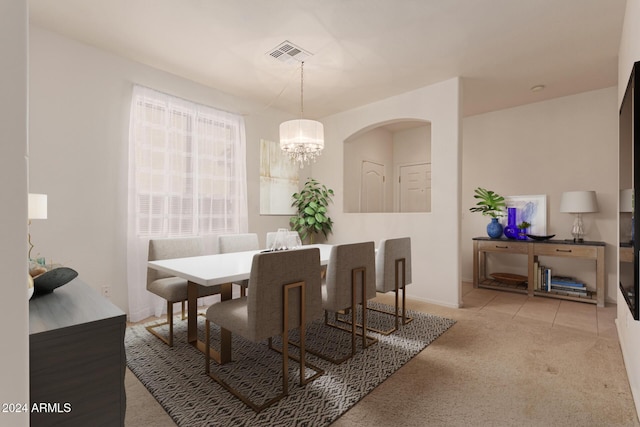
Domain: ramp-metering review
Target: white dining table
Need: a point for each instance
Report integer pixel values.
(211, 270)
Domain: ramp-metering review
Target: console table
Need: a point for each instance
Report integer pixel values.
(76, 358)
(553, 248)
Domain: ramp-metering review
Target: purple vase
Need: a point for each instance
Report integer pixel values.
(511, 231)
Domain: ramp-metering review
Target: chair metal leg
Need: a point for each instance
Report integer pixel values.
(207, 340)
(366, 340)
(303, 328)
(151, 328)
(192, 327)
(170, 320)
(396, 315)
(285, 354)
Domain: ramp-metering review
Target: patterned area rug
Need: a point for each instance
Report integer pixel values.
(175, 376)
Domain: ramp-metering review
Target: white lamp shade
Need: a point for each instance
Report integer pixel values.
(37, 206)
(626, 200)
(307, 135)
(579, 202)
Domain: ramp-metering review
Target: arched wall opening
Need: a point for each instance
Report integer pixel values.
(387, 167)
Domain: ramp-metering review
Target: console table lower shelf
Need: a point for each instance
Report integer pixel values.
(489, 283)
(553, 248)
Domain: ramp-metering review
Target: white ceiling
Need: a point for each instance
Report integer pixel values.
(363, 50)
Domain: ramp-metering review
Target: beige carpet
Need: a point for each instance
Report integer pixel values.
(502, 364)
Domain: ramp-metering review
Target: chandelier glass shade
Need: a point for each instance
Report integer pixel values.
(302, 139)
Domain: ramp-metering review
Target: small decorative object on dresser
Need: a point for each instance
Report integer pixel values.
(494, 229)
(52, 279)
(541, 238)
(511, 230)
(522, 230)
(531, 209)
(490, 204)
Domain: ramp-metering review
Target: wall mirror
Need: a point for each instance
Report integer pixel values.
(629, 165)
(387, 168)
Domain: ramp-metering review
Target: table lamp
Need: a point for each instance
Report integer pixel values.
(578, 202)
(37, 209)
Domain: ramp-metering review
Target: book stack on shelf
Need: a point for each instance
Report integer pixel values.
(545, 281)
(540, 274)
(568, 286)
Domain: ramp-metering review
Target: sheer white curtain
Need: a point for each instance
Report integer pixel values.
(187, 177)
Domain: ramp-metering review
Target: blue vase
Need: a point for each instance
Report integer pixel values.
(511, 230)
(494, 229)
(522, 233)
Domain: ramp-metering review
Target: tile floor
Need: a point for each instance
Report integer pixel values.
(575, 317)
(555, 312)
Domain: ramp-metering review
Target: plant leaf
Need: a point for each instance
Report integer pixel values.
(311, 202)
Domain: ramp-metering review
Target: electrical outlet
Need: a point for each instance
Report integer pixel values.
(106, 291)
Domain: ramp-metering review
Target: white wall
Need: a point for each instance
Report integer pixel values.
(374, 146)
(412, 145)
(435, 235)
(549, 147)
(628, 328)
(14, 369)
(79, 118)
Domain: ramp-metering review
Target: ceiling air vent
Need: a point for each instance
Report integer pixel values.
(288, 52)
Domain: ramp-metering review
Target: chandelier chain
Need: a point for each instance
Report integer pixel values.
(302, 89)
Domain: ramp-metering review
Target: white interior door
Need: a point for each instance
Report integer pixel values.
(372, 187)
(415, 187)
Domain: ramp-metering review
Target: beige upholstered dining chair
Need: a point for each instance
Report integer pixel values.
(393, 273)
(285, 294)
(171, 288)
(238, 243)
(350, 280)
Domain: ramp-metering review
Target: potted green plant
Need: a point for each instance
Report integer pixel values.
(522, 230)
(311, 203)
(490, 204)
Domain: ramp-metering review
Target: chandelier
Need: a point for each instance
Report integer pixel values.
(302, 139)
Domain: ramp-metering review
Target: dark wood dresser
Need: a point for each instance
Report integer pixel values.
(77, 359)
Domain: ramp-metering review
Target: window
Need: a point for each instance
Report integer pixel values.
(188, 168)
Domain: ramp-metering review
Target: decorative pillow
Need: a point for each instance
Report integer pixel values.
(47, 282)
